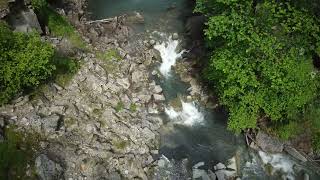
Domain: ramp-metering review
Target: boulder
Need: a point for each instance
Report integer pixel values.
(158, 97)
(137, 76)
(219, 166)
(47, 169)
(295, 153)
(157, 89)
(220, 175)
(124, 82)
(212, 175)
(175, 36)
(199, 164)
(268, 143)
(50, 124)
(25, 21)
(200, 173)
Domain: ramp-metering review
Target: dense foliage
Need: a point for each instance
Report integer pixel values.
(261, 63)
(25, 60)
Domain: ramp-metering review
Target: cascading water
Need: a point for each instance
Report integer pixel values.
(190, 115)
(169, 55)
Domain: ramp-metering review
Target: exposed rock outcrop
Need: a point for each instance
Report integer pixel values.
(25, 21)
(268, 143)
(97, 125)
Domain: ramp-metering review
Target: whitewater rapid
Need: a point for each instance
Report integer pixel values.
(169, 54)
(189, 115)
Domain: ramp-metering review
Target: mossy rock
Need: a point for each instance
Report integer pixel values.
(120, 144)
(17, 153)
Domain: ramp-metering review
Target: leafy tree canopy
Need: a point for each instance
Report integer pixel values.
(262, 58)
(25, 60)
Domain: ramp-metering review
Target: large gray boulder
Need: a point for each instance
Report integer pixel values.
(47, 169)
(268, 143)
(295, 153)
(25, 21)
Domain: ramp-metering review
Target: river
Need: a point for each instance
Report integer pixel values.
(193, 134)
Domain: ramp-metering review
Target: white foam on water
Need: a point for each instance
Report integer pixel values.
(278, 162)
(190, 115)
(169, 54)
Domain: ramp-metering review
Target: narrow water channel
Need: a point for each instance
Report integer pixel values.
(194, 134)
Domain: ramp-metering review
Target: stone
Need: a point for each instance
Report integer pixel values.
(220, 175)
(268, 143)
(144, 98)
(47, 169)
(175, 36)
(154, 72)
(219, 166)
(124, 82)
(212, 175)
(254, 146)
(137, 76)
(200, 173)
(295, 153)
(306, 176)
(158, 97)
(50, 124)
(25, 21)
(114, 176)
(199, 164)
(152, 42)
(157, 89)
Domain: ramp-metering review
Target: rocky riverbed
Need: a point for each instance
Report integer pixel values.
(98, 125)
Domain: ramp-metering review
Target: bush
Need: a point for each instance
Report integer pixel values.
(16, 153)
(39, 5)
(261, 63)
(25, 61)
(60, 27)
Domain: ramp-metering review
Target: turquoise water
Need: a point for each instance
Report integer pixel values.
(167, 14)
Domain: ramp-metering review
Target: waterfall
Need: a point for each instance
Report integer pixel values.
(279, 162)
(169, 54)
(189, 115)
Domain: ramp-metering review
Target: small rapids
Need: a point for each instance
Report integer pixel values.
(169, 55)
(189, 115)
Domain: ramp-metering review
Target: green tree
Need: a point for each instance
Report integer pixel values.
(261, 63)
(25, 61)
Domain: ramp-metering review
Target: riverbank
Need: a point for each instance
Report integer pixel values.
(95, 125)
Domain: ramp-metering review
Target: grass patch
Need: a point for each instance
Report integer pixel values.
(66, 67)
(109, 55)
(119, 106)
(287, 131)
(60, 27)
(16, 153)
(133, 107)
(120, 143)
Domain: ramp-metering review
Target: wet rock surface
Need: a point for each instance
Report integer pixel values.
(268, 143)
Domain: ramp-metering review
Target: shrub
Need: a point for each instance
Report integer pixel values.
(25, 61)
(261, 63)
(39, 5)
(16, 152)
(60, 27)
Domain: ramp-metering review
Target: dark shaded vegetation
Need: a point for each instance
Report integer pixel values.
(17, 153)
